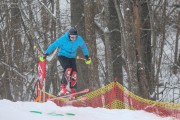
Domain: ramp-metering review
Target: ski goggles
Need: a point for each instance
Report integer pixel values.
(72, 36)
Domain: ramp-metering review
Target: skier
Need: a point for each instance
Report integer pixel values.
(68, 45)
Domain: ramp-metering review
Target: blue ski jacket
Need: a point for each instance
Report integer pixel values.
(67, 47)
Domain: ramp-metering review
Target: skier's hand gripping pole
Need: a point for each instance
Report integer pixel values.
(87, 59)
(42, 56)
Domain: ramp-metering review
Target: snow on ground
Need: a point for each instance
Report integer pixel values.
(50, 111)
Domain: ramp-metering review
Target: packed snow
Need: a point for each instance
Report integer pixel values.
(50, 111)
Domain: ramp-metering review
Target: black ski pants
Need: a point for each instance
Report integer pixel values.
(67, 63)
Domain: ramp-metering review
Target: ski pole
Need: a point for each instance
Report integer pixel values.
(38, 51)
(80, 58)
(41, 58)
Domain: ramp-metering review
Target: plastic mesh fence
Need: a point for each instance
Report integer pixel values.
(115, 96)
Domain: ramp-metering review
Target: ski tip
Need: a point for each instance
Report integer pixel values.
(86, 90)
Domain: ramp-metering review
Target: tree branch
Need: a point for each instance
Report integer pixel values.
(13, 69)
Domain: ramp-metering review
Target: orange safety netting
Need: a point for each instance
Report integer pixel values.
(115, 96)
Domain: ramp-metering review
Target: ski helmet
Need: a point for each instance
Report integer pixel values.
(73, 31)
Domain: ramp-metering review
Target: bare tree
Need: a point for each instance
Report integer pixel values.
(176, 64)
(91, 39)
(115, 42)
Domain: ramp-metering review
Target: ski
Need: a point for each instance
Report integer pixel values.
(83, 98)
(79, 100)
(66, 96)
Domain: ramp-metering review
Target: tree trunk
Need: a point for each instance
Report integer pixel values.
(93, 76)
(143, 85)
(128, 45)
(176, 64)
(108, 52)
(115, 42)
(146, 44)
(17, 51)
(162, 43)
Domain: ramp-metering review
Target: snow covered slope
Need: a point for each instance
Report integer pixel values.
(50, 111)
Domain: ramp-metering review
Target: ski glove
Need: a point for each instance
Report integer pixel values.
(88, 60)
(45, 55)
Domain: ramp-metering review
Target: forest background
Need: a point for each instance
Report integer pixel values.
(135, 42)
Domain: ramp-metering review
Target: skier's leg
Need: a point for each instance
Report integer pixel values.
(68, 74)
(73, 80)
(74, 73)
(73, 84)
(64, 61)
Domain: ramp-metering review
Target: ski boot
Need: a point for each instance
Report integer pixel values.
(73, 80)
(63, 91)
(68, 73)
(73, 84)
(72, 97)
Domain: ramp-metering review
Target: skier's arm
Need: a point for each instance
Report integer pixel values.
(85, 52)
(53, 46)
(84, 48)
